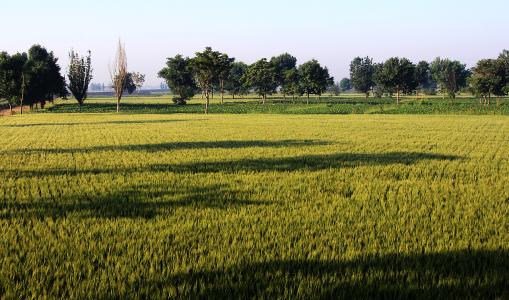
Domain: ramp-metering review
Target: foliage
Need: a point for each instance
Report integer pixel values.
(223, 68)
(138, 80)
(487, 78)
(270, 206)
(261, 77)
(314, 79)
(450, 76)
(345, 84)
(396, 75)
(205, 69)
(425, 82)
(291, 85)
(361, 74)
(129, 85)
(334, 89)
(233, 83)
(179, 77)
(43, 81)
(282, 64)
(79, 74)
(11, 75)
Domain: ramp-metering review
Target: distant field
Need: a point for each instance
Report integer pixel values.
(345, 104)
(305, 206)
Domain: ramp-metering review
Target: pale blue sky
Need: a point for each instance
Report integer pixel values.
(331, 31)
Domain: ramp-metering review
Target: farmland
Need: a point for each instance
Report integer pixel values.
(344, 104)
(253, 205)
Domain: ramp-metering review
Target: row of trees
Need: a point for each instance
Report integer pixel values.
(211, 70)
(30, 78)
(34, 78)
(399, 75)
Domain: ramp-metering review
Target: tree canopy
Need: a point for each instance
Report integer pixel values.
(79, 74)
(450, 75)
(396, 75)
(179, 77)
(361, 74)
(261, 77)
(233, 83)
(314, 79)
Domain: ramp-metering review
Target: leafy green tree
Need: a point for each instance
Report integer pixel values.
(450, 76)
(488, 79)
(129, 85)
(11, 75)
(314, 79)
(397, 75)
(334, 89)
(282, 64)
(503, 58)
(179, 77)
(361, 74)
(425, 82)
(224, 65)
(138, 80)
(291, 85)
(79, 74)
(41, 80)
(345, 84)
(261, 77)
(205, 69)
(233, 83)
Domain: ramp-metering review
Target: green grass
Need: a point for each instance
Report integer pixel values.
(264, 206)
(347, 104)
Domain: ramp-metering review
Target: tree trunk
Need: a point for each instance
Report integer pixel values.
(10, 107)
(489, 99)
(397, 96)
(307, 101)
(118, 104)
(222, 91)
(366, 96)
(207, 96)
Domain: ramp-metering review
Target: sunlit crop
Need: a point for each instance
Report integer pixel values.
(271, 206)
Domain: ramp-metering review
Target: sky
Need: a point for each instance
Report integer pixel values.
(333, 32)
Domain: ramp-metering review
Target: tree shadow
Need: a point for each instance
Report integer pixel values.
(305, 163)
(140, 201)
(285, 164)
(101, 123)
(465, 274)
(230, 144)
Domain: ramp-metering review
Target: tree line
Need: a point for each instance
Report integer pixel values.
(211, 71)
(490, 77)
(33, 78)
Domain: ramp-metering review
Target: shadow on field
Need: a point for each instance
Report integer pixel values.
(100, 123)
(463, 274)
(305, 163)
(177, 146)
(142, 201)
(285, 164)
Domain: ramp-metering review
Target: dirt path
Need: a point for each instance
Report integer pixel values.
(16, 110)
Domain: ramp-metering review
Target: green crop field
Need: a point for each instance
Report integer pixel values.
(253, 206)
(345, 104)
